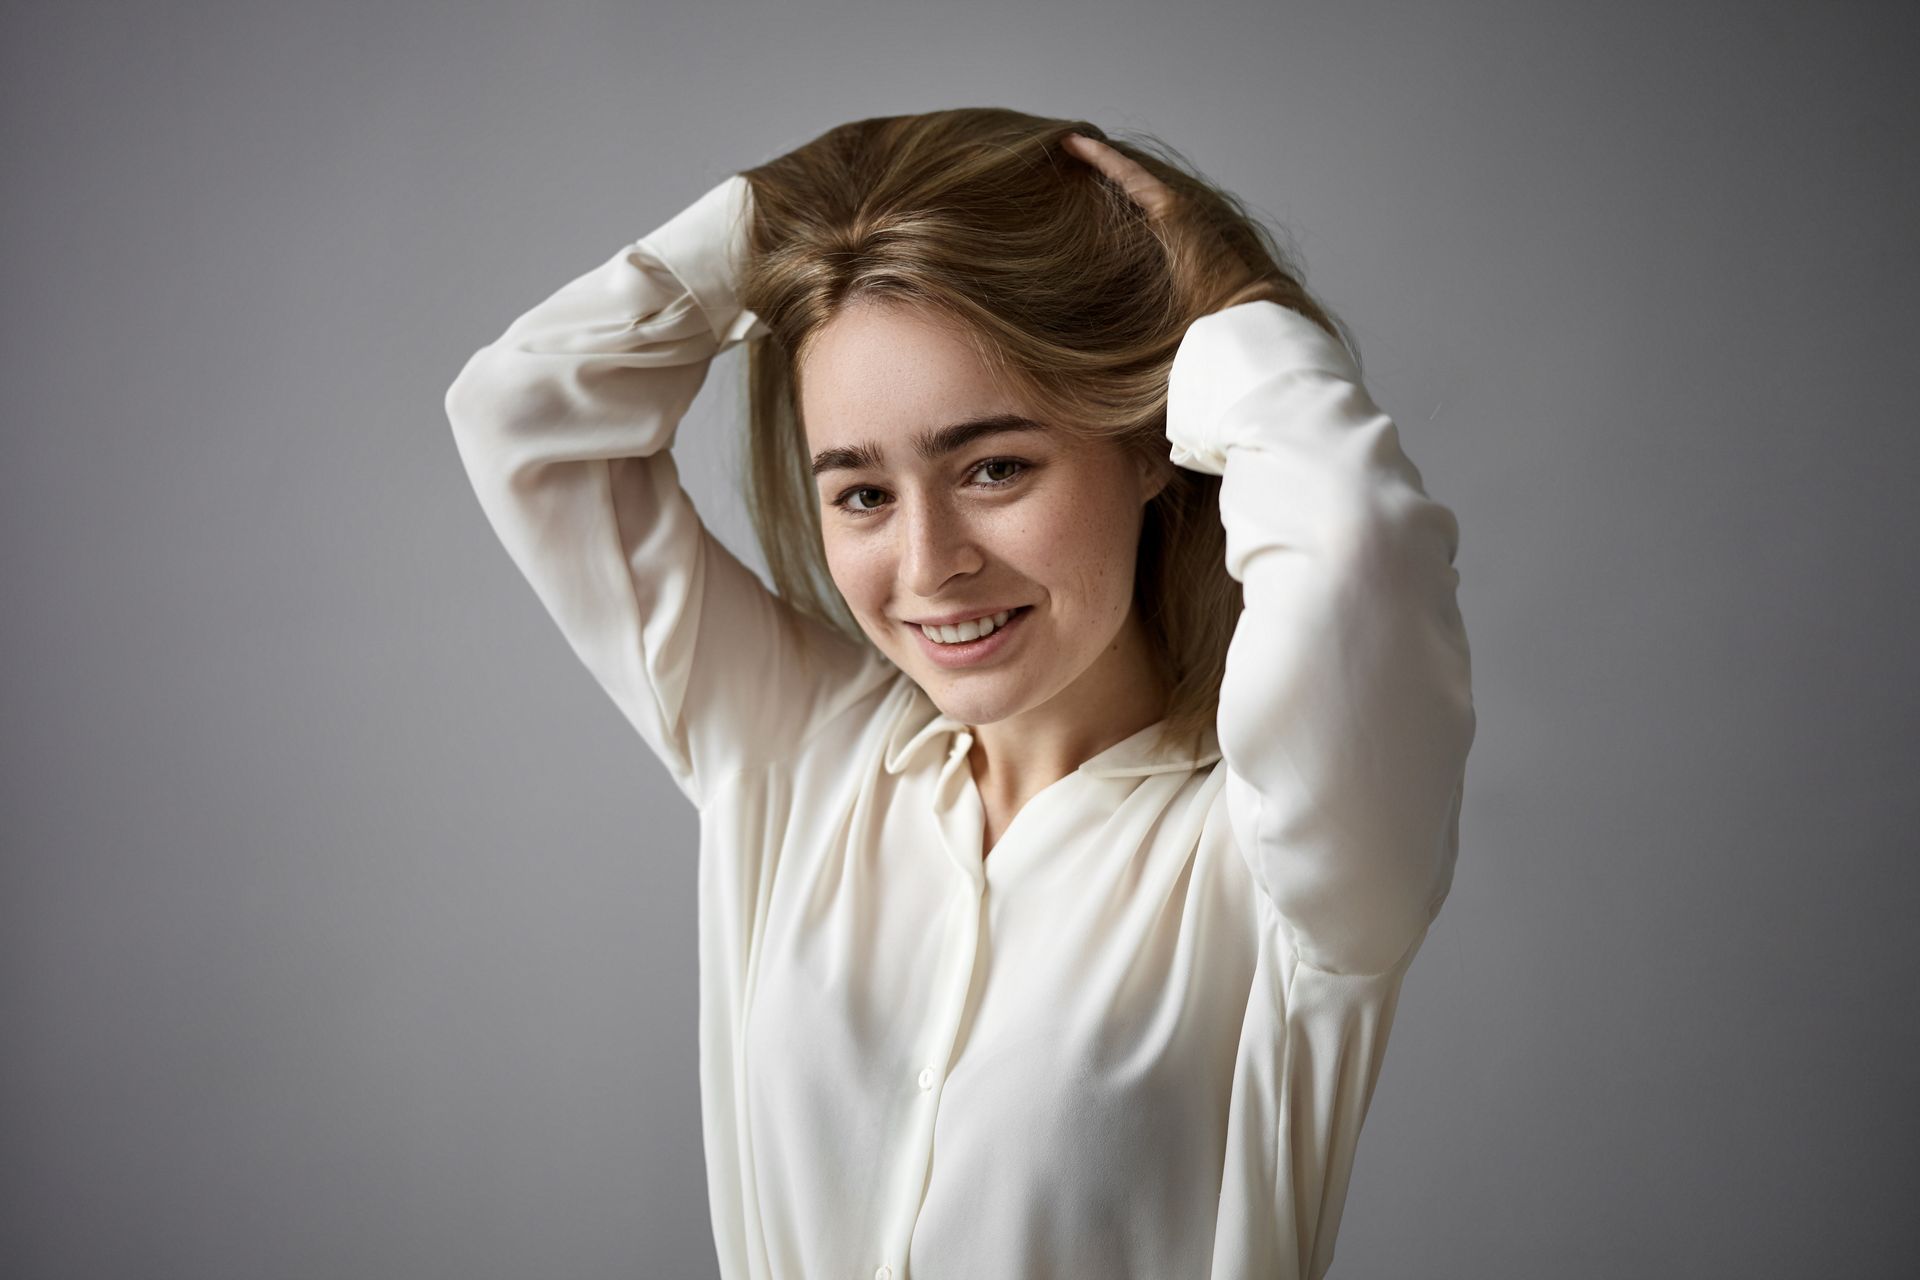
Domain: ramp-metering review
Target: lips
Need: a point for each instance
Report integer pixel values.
(968, 652)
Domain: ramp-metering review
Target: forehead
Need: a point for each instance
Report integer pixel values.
(882, 370)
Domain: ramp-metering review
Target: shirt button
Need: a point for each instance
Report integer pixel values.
(926, 1078)
(883, 1273)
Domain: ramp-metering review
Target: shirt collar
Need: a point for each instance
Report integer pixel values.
(920, 722)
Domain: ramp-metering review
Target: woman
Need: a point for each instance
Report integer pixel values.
(1073, 807)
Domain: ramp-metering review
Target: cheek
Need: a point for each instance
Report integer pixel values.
(1086, 551)
(859, 571)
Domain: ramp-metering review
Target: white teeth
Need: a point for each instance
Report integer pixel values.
(972, 629)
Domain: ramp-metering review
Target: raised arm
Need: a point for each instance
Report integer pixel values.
(564, 424)
(1346, 712)
(1345, 718)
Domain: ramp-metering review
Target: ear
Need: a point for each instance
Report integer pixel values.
(1155, 474)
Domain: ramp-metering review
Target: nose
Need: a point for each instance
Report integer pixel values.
(939, 548)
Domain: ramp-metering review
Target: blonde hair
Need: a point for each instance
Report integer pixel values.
(1068, 292)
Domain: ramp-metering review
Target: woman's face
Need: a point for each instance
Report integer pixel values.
(933, 511)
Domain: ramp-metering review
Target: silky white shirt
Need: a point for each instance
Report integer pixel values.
(1139, 1038)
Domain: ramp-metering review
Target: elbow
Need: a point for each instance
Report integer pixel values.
(482, 409)
(1386, 517)
(466, 398)
(490, 398)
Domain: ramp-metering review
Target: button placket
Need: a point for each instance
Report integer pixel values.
(962, 937)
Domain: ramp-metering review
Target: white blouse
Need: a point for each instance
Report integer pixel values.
(1139, 1039)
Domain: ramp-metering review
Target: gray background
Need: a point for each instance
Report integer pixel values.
(348, 930)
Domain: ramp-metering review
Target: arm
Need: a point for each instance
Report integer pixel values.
(1346, 711)
(564, 424)
(1345, 718)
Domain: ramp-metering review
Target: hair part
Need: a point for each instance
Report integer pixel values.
(1066, 290)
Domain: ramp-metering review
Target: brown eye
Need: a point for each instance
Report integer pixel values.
(1017, 465)
(845, 503)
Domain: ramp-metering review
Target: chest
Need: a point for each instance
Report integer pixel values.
(1072, 1004)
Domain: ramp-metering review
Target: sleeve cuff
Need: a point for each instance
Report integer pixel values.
(704, 245)
(1226, 355)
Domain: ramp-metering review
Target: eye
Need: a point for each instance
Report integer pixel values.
(1002, 462)
(844, 504)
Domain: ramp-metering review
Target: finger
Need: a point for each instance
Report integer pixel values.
(1142, 187)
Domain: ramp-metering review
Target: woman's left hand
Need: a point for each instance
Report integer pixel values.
(1212, 269)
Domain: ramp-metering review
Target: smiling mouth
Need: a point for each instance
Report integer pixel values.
(974, 629)
(956, 655)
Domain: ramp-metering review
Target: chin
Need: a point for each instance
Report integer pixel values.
(973, 701)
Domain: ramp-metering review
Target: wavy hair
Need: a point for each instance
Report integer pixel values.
(1066, 290)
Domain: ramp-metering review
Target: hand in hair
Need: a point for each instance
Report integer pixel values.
(1209, 266)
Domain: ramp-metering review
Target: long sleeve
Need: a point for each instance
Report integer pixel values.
(1346, 711)
(1345, 719)
(564, 424)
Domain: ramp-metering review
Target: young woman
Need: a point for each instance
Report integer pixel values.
(1074, 804)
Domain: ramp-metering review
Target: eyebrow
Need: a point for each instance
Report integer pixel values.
(930, 445)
